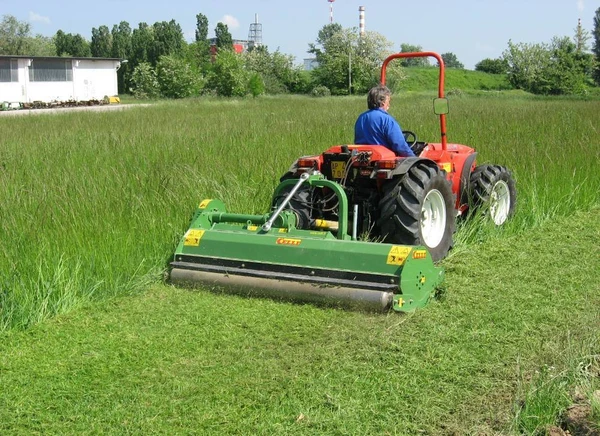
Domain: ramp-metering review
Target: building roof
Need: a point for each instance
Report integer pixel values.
(58, 57)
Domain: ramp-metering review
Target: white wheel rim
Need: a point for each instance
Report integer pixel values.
(433, 218)
(499, 202)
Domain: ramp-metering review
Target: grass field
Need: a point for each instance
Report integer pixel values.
(92, 205)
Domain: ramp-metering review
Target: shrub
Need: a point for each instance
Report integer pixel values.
(176, 78)
(320, 91)
(256, 85)
(144, 81)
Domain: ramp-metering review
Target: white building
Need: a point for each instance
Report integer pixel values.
(27, 79)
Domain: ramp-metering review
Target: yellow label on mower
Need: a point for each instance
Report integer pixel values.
(338, 169)
(252, 227)
(419, 254)
(192, 237)
(204, 203)
(288, 241)
(397, 255)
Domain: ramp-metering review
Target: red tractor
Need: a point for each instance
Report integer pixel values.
(403, 200)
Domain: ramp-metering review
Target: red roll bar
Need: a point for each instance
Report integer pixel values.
(440, 84)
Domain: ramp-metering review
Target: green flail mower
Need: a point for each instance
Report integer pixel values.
(269, 255)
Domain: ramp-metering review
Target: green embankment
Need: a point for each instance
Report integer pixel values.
(424, 79)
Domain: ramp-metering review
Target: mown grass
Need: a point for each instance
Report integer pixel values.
(173, 361)
(92, 205)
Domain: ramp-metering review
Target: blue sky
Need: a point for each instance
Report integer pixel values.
(473, 30)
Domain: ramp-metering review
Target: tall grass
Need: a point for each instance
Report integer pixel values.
(92, 204)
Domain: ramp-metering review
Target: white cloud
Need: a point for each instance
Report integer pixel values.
(580, 5)
(33, 17)
(232, 22)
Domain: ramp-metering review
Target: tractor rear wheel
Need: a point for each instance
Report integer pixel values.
(418, 209)
(493, 187)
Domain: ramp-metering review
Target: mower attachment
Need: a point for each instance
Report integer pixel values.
(266, 255)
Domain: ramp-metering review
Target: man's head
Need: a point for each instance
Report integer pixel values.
(379, 97)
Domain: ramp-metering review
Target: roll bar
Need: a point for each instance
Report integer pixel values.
(440, 82)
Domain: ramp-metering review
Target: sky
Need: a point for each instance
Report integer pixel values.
(471, 29)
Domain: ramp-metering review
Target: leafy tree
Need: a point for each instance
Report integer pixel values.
(276, 71)
(176, 78)
(144, 83)
(413, 62)
(555, 68)
(41, 46)
(596, 46)
(200, 49)
(581, 38)
(493, 66)
(569, 67)
(168, 40)
(142, 40)
(346, 62)
(101, 44)
(68, 44)
(201, 27)
(451, 61)
(224, 39)
(14, 36)
(122, 49)
(228, 77)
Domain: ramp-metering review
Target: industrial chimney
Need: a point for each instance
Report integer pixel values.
(331, 10)
(361, 20)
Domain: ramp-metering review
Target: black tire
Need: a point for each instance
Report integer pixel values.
(300, 203)
(405, 204)
(492, 189)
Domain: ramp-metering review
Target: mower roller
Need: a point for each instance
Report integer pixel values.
(267, 255)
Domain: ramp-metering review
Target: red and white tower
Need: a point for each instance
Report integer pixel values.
(331, 10)
(361, 21)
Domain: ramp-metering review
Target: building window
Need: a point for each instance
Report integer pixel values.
(51, 70)
(9, 70)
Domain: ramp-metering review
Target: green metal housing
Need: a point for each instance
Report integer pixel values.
(242, 253)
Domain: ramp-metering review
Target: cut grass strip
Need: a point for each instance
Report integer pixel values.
(177, 361)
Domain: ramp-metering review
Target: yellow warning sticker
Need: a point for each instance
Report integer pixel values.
(204, 203)
(446, 166)
(397, 255)
(338, 169)
(282, 230)
(252, 227)
(419, 254)
(192, 237)
(288, 241)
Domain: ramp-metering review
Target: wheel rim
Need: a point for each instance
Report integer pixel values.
(500, 202)
(433, 218)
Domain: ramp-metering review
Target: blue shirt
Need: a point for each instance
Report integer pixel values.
(377, 127)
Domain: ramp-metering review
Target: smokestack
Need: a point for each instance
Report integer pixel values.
(331, 11)
(361, 20)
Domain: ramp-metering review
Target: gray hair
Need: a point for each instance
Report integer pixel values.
(377, 96)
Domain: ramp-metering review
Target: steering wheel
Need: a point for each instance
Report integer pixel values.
(410, 138)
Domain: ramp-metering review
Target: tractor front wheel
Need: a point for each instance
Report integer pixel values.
(493, 187)
(418, 209)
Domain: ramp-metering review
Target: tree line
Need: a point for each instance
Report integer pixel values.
(160, 63)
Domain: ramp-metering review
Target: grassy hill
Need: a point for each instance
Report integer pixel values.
(425, 79)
